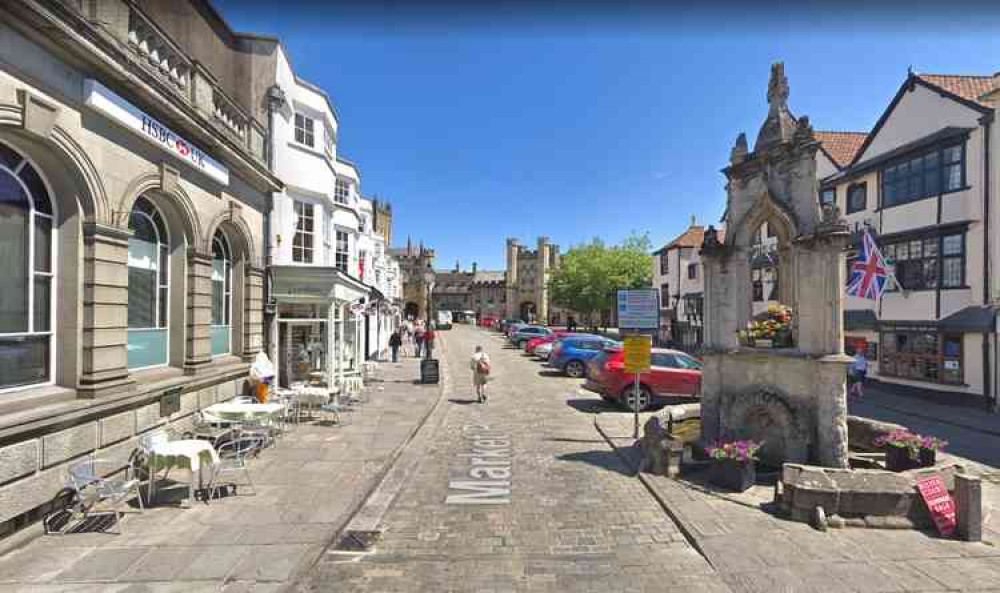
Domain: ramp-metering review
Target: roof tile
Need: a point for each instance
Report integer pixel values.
(841, 146)
(967, 87)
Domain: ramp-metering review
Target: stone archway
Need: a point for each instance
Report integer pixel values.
(411, 311)
(527, 311)
(765, 415)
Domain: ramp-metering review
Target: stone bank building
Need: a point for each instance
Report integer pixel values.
(134, 184)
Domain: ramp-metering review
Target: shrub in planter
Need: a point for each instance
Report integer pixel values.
(905, 450)
(929, 446)
(734, 465)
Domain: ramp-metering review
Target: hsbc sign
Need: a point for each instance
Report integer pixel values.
(105, 101)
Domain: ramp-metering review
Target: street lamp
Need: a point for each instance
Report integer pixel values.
(429, 282)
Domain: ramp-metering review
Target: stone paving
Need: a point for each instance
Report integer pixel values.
(307, 487)
(576, 520)
(754, 550)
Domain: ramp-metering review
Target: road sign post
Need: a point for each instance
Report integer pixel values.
(638, 352)
(638, 312)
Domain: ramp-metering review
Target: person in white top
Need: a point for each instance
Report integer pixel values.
(859, 370)
(480, 365)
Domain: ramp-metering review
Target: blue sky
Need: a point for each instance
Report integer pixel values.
(570, 125)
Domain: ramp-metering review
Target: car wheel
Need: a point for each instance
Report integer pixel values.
(575, 369)
(628, 398)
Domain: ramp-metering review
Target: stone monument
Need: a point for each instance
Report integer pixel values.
(794, 398)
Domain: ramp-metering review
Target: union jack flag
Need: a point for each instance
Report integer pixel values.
(869, 274)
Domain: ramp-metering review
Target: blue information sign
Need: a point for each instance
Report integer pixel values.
(638, 309)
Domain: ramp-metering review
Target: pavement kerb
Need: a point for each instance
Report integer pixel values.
(930, 418)
(651, 488)
(313, 558)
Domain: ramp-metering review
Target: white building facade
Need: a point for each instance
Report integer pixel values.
(923, 184)
(318, 296)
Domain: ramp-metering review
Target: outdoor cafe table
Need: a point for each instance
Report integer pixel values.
(189, 454)
(232, 412)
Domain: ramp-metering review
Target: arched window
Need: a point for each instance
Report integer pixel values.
(148, 286)
(26, 253)
(222, 295)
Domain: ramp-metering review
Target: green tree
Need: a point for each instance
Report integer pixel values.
(589, 275)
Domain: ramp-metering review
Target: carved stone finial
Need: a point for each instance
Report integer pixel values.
(777, 88)
(832, 220)
(804, 130)
(739, 152)
(711, 237)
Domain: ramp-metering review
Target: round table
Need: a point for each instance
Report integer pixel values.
(189, 454)
(233, 412)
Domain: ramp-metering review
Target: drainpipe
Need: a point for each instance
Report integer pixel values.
(987, 123)
(275, 101)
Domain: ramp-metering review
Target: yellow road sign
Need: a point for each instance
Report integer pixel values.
(637, 353)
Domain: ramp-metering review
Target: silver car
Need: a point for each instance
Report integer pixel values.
(527, 333)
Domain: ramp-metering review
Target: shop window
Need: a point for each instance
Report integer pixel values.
(222, 295)
(26, 294)
(922, 356)
(305, 130)
(148, 286)
(935, 171)
(827, 196)
(857, 198)
(302, 244)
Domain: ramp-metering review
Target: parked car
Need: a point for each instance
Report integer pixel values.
(528, 332)
(544, 350)
(672, 373)
(513, 327)
(530, 345)
(570, 355)
(504, 324)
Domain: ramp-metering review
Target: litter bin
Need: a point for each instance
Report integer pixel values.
(429, 370)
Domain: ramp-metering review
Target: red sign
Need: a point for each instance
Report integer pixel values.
(939, 503)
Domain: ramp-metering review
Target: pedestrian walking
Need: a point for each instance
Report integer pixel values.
(859, 371)
(395, 341)
(418, 340)
(480, 365)
(429, 337)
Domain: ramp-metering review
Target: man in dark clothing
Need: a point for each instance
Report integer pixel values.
(395, 341)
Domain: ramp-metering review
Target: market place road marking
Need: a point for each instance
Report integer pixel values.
(489, 468)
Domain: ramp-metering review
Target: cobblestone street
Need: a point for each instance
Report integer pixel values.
(577, 520)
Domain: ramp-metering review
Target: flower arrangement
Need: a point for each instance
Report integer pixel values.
(906, 449)
(736, 450)
(774, 325)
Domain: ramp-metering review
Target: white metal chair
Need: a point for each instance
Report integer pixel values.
(103, 487)
(233, 457)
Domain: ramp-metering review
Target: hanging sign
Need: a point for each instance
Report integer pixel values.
(638, 309)
(939, 503)
(102, 99)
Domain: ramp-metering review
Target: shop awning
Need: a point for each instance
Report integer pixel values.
(975, 318)
(855, 319)
(314, 284)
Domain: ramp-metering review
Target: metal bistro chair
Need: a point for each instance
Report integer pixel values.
(233, 457)
(102, 487)
(261, 430)
(213, 432)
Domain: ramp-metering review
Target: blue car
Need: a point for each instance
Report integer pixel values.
(570, 355)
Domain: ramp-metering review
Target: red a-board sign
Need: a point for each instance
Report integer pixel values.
(939, 503)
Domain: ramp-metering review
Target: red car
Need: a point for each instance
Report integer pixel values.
(530, 345)
(672, 373)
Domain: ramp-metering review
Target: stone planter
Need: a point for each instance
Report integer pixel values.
(897, 459)
(733, 474)
(927, 457)
(764, 343)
